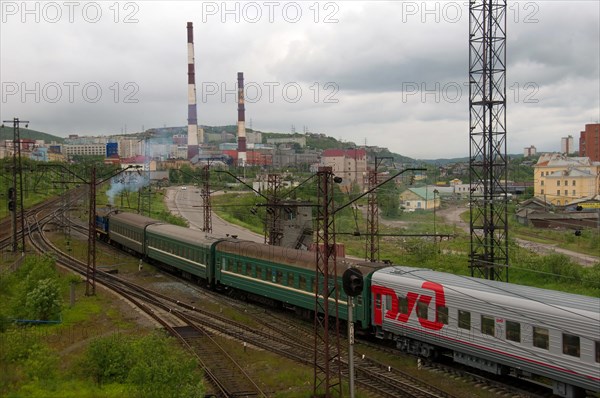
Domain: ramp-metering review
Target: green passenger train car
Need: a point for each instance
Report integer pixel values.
(184, 249)
(128, 230)
(285, 275)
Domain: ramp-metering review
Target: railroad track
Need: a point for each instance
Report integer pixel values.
(223, 372)
(194, 327)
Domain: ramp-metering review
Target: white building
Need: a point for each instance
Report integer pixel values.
(566, 145)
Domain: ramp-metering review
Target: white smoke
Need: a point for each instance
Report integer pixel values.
(127, 181)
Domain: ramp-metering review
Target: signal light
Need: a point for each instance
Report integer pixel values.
(352, 282)
(12, 204)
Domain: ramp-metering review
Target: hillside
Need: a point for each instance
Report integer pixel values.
(6, 133)
(313, 141)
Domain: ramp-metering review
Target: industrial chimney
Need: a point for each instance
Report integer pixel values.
(241, 121)
(192, 118)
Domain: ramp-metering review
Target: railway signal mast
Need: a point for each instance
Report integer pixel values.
(488, 162)
(15, 192)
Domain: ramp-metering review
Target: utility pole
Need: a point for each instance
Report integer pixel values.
(15, 193)
(206, 205)
(90, 272)
(273, 232)
(327, 371)
(372, 249)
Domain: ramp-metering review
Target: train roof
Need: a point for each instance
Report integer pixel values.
(133, 219)
(506, 290)
(299, 258)
(182, 234)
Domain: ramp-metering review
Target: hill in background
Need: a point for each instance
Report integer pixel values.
(7, 133)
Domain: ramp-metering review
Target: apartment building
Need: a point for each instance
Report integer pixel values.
(560, 180)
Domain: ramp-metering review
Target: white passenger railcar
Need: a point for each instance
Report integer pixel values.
(498, 327)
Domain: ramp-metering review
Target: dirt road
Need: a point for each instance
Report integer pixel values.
(451, 215)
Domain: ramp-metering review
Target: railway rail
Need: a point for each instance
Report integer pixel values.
(194, 327)
(223, 372)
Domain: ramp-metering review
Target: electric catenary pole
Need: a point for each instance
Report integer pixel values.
(327, 372)
(488, 162)
(273, 231)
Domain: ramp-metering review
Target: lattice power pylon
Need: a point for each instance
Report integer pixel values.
(488, 161)
(206, 205)
(327, 370)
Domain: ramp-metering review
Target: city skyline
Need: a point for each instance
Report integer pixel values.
(389, 73)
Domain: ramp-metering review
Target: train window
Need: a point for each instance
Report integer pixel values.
(541, 339)
(464, 319)
(402, 305)
(249, 269)
(487, 325)
(290, 279)
(259, 272)
(442, 315)
(302, 282)
(269, 274)
(422, 310)
(313, 285)
(597, 351)
(513, 331)
(571, 345)
(388, 301)
(279, 276)
(224, 263)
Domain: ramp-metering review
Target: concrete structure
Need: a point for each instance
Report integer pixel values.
(350, 164)
(292, 139)
(529, 151)
(289, 158)
(566, 145)
(561, 180)
(589, 142)
(84, 150)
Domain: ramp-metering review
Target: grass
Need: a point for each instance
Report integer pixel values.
(553, 271)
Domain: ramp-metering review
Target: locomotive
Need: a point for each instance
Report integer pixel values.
(494, 326)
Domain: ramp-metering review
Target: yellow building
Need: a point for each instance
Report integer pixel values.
(561, 180)
(423, 198)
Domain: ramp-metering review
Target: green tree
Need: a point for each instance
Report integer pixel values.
(36, 289)
(44, 302)
(109, 359)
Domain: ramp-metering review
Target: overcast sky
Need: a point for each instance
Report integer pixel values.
(385, 72)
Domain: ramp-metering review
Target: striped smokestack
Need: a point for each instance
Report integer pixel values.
(241, 121)
(192, 118)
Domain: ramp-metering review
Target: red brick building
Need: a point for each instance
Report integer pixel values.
(589, 142)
